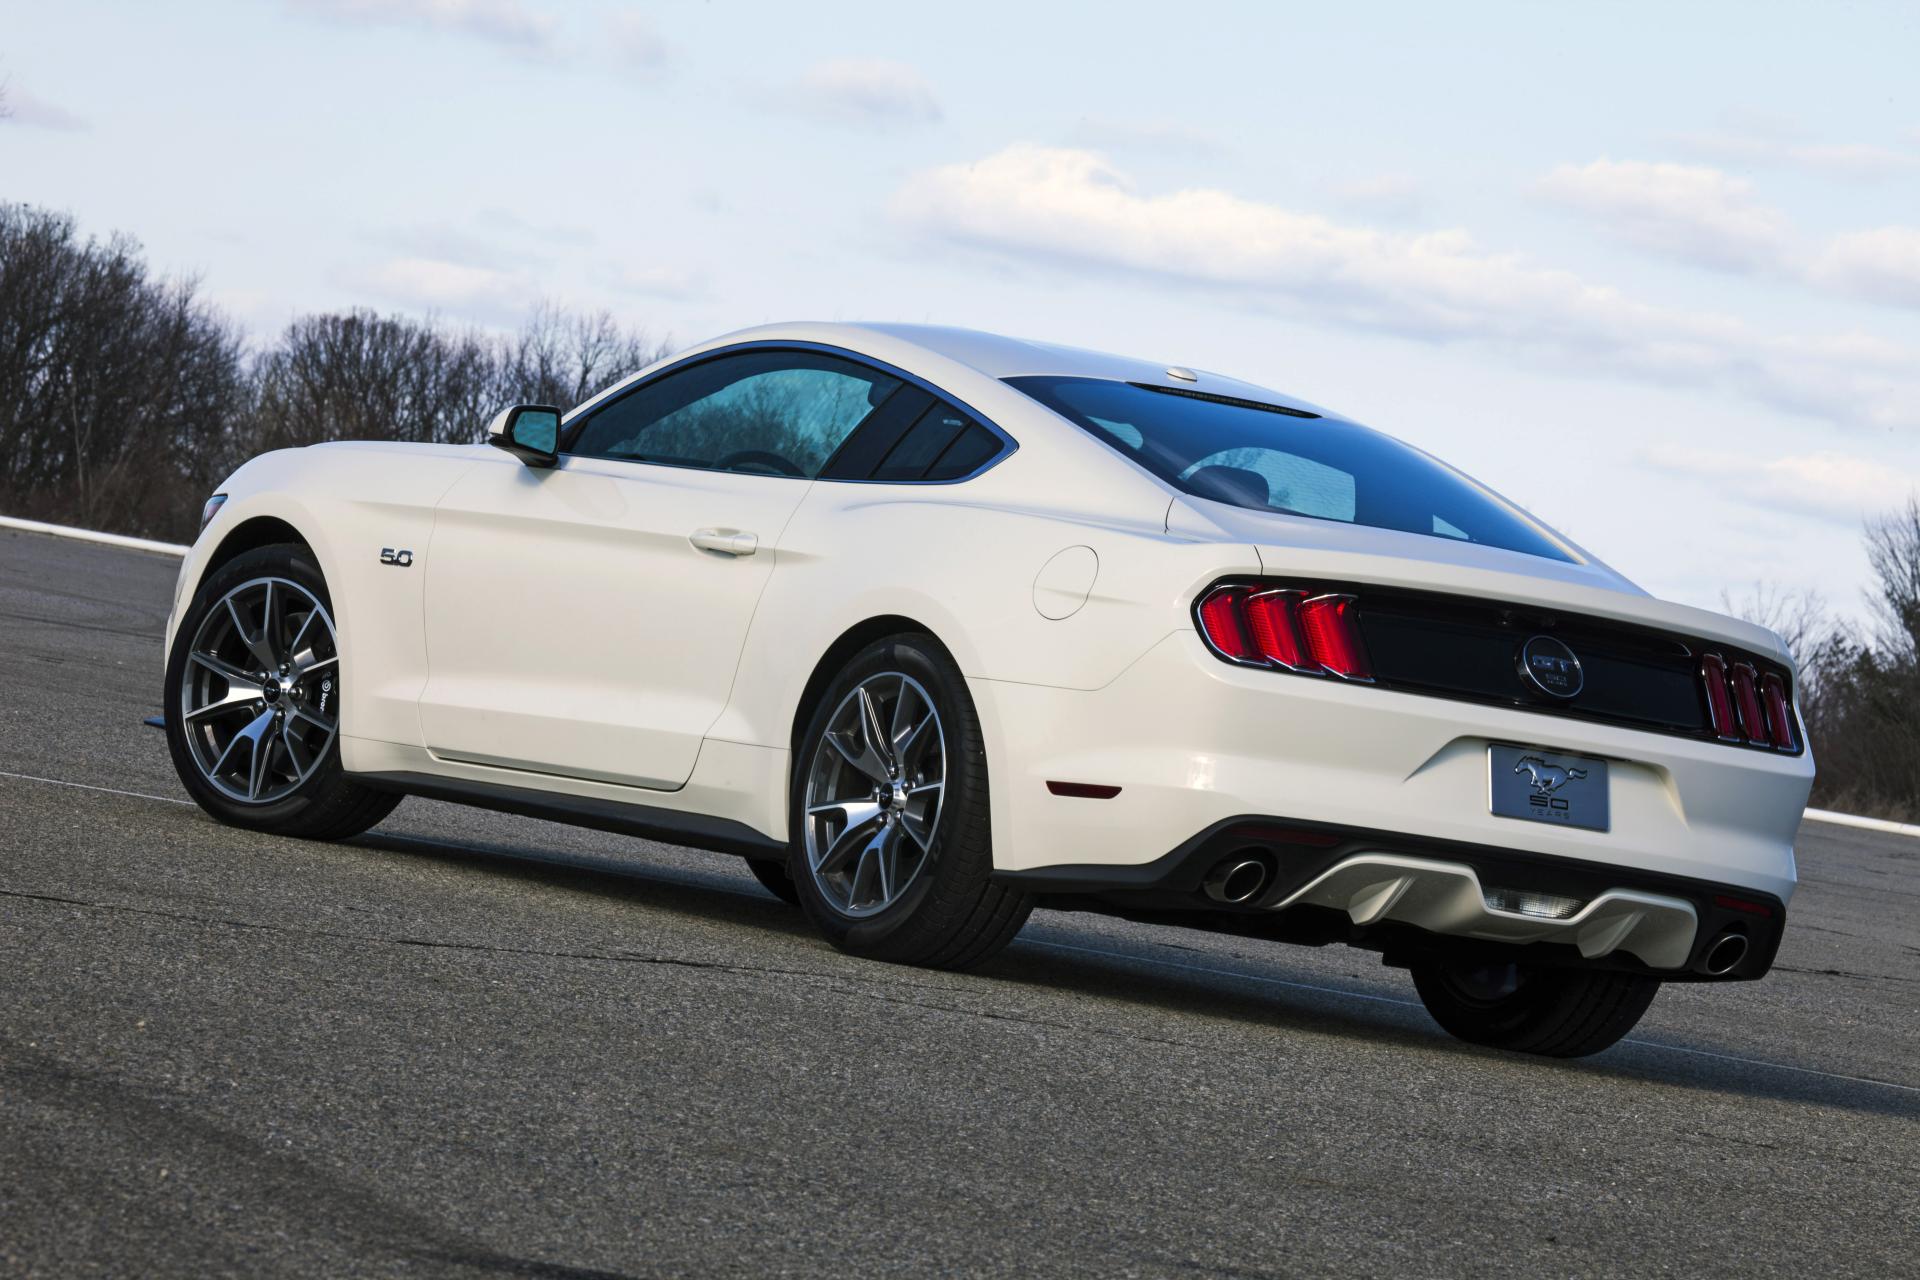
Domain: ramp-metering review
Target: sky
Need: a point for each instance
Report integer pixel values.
(1652, 271)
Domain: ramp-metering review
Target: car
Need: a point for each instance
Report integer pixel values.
(934, 626)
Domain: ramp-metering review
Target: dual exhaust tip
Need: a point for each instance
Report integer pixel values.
(1237, 879)
(1725, 953)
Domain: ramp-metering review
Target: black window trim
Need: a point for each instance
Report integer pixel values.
(576, 421)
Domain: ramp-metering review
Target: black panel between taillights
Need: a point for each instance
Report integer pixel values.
(1452, 647)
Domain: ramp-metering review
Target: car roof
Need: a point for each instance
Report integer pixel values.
(997, 356)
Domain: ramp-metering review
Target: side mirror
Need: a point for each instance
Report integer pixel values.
(530, 432)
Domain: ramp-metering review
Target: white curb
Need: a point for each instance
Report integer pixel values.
(1865, 824)
(88, 535)
(175, 549)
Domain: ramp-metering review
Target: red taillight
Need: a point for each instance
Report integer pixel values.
(1713, 674)
(1779, 712)
(1746, 701)
(1221, 620)
(1333, 636)
(1288, 629)
(1274, 619)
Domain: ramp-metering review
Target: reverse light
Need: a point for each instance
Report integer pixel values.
(1287, 628)
(1546, 906)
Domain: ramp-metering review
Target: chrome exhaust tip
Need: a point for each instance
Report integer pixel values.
(1727, 951)
(1236, 880)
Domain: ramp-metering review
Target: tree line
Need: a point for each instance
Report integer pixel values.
(125, 398)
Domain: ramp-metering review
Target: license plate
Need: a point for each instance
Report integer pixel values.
(1545, 786)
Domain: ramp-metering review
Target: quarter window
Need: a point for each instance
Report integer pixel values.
(766, 412)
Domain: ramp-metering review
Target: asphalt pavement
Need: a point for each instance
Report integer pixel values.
(473, 1045)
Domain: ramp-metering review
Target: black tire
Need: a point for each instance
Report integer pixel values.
(775, 879)
(950, 915)
(327, 805)
(1557, 1013)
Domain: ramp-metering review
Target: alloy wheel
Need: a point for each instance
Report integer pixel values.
(873, 795)
(260, 699)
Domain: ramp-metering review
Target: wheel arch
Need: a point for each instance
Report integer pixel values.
(837, 655)
(250, 535)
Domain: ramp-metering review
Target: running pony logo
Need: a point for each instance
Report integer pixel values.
(1547, 778)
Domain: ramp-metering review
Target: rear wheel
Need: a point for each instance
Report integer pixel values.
(253, 701)
(892, 855)
(1559, 1013)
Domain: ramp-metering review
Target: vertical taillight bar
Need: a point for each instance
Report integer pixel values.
(1332, 627)
(1773, 691)
(1224, 626)
(1713, 674)
(1274, 618)
(1746, 701)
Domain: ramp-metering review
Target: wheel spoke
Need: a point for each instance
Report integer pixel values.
(262, 758)
(237, 696)
(922, 825)
(864, 758)
(290, 743)
(301, 713)
(856, 812)
(304, 666)
(878, 743)
(222, 668)
(887, 860)
(851, 837)
(273, 626)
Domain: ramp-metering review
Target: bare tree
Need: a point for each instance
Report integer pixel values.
(563, 360)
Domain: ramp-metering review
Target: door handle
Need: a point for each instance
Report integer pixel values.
(728, 542)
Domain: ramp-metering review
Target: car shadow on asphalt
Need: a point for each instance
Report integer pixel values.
(1253, 993)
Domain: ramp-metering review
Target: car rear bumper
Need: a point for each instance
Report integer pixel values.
(1405, 894)
(1193, 743)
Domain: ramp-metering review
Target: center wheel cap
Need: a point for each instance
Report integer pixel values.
(270, 691)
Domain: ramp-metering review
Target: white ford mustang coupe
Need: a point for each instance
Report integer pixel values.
(932, 626)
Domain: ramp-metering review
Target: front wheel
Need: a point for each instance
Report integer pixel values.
(892, 855)
(1558, 1013)
(252, 704)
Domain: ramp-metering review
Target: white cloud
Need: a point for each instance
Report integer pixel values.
(870, 94)
(24, 108)
(1107, 134)
(1778, 144)
(637, 42)
(505, 22)
(1882, 265)
(1073, 209)
(435, 284)
(1829, 486)
(1397, 197)
(664, 282)
(1690, 212)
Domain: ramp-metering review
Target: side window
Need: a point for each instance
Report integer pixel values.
(943, 443)
(766, 412)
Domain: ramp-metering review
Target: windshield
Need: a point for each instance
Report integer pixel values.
(1269, 458)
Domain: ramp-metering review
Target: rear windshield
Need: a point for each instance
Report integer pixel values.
(1267, 458)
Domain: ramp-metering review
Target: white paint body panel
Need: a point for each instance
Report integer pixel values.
(557, 632)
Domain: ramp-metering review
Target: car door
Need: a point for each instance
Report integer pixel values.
(586, 620)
